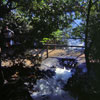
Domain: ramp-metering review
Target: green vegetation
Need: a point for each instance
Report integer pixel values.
(49, 21)
(38, 19)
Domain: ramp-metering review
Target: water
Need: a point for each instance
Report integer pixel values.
(62, 74)
(52, 88)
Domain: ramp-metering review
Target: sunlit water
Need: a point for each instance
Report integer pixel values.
(51, 88)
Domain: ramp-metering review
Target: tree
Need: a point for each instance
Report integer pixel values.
(94, 29)
(35, 19)
(45, 16)
(86, 36)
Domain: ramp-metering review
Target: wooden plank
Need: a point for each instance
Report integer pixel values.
(63, 45)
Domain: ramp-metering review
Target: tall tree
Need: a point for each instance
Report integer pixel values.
(86, 35)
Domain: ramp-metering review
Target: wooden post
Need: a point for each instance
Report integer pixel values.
(47, 52)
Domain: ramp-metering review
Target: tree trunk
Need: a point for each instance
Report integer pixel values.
(86, 36)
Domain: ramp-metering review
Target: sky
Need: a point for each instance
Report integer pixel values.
(77, 42)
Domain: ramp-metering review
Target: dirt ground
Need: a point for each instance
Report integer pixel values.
(51, 53)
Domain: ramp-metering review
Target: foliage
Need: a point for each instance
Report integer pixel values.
(57, 35)
(42, 20)
(45, 40)
(50, 21)
(36, 19)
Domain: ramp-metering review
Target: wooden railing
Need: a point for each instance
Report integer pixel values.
(59, 45)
